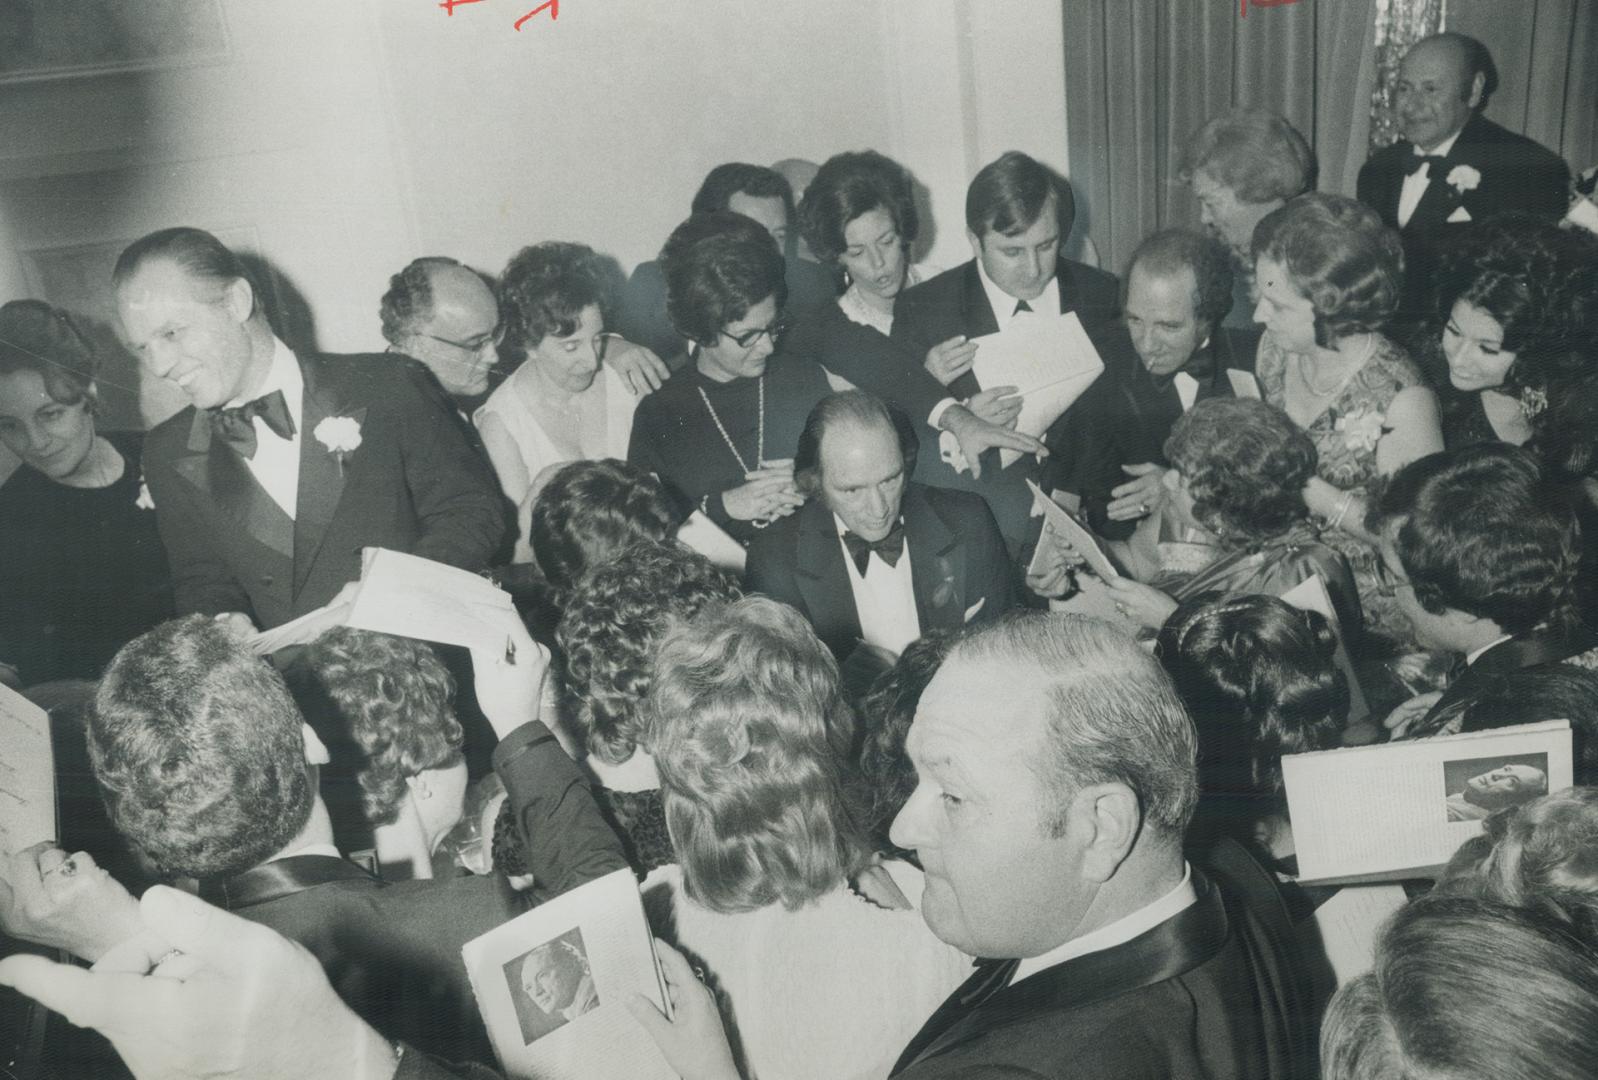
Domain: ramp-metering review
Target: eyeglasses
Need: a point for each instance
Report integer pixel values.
(474, 344)
(748, 338)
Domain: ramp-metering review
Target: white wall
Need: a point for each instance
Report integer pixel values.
(345, 138)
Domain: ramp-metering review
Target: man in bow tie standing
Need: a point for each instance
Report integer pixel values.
(1453, 165)
(285, 467)
(873, 557)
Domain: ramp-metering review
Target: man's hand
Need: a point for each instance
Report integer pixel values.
(237, 625)
(1000, 405)
(65, 902)
(976, 435)
(1408, 714)
(640, 368)
(236, 1000)
(948, 360)
(1057, 579)
(509, 680)
(1140, 496)
(693, 1041)
(767, 493)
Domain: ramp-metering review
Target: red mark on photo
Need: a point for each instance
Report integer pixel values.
(450, 5)
(1243, 5)
(551, 6)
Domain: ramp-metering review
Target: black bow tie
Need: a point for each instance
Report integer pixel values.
(888, 549)
(1020, 306)
(235, 427)
(1200, 367)
(1419, 161)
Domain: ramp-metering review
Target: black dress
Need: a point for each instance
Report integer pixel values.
(82, 571)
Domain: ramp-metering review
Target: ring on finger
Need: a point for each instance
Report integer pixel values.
(66, 868)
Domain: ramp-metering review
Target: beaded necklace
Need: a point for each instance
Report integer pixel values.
(760, 426)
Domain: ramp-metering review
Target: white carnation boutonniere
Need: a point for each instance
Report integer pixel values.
(1362, 430)
(1463, 178)
(341, 435)
(144, 501)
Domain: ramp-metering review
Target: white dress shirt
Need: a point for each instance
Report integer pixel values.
(1415, 183)
(1003, 304)
(1187, 388)
(276, 464)
(1475, 654)
(885, 598)
(1118, 932)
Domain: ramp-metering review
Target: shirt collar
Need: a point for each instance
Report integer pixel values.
(1003, 304)
(1443, 147)
(1119, 932)
(284, 375)
(1475, 654)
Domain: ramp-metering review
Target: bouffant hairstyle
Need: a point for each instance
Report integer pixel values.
(409, 300)
(1482, 529)
(1011, 192)
(1541, 854)
(198, 751)
(750, 736)
(1468, 989)
(615, 616)
(717, 266)
(852, 184)
(37, 337)
(545, 289)
(886, 712)
(1259, 679)
(588, 512)
(1254, 152)
(1246, 464)
(848, 407)
(395, 700)
(1539, 282)
(1167, 253)
(1338, 254)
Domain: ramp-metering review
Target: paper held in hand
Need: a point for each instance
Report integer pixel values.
(1047, 358)
(552, 986)
(1400, 810)
(409, 596)
(27, 773)
(1060, 528)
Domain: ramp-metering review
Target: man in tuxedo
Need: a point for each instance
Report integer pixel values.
(1453, 165)
(873, 558)
(755, 192)
(208, 767)
(445, 315)
(285, 466)
(1172, 350)
(1051, 832)
(1481, 552)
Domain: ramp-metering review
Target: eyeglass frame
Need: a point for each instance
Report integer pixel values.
(746, 340)
(494, 337)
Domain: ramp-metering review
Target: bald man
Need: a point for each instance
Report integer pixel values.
(445, 315)
(1453, 165)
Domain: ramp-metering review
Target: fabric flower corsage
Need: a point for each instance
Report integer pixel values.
(145, 501)
(1463, 178)
(1362, 430)
(340, 434)
(1532, 401)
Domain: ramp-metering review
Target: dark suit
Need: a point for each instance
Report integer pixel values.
(1516, 174)
(1539, 648)
(1216, 992)
(414, 485)
(957, 560)
(1127, 414)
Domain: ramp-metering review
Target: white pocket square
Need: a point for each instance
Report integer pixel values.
(1459, 214)
(971, 612)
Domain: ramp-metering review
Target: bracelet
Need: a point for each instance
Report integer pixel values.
(1342, 510)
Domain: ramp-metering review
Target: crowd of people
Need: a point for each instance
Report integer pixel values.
(908, 787)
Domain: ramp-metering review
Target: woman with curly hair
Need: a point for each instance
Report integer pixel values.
(1239, 468)
(1328, 274)
(393, 699)
(616, 616)
(1539, 854)
(1518, 307)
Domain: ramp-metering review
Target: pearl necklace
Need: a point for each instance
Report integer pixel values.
(760, 426)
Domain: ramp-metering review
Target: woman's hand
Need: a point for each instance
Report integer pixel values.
(65, 901)
(1143, 604)
(948, 360)
(693, 1041)
(1139, 497)
(1057, 578)
(766, 494)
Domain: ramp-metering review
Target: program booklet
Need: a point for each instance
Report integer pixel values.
(1400, 810)
(1047, 358)
(27, 774)
(552, 986)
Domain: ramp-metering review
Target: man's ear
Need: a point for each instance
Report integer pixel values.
(315, 752)
(1478, 87)
(1111, 819)
(418, 786)
(240, 300)
(976, 243)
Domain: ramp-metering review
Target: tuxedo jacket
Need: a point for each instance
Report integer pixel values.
(1541, 647)
(1127, 414)
(959, 568)
(413, 484)
(1215, 992)
(1516, 174)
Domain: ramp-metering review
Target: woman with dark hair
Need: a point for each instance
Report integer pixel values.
(750, 735)
(1518, 303)
(1329, 274)
(615, 617)
(82, 569)
(886, 712)
(1260, 680)
(562, 402)
(589, 512)
(721, 433)
(1468, 989)
(1238, 473)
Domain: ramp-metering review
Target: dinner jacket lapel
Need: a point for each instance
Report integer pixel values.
(936, 576)
(322, 472)
(218, 473)
(823, 580)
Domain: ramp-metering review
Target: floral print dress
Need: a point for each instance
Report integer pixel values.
(1345, 436)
